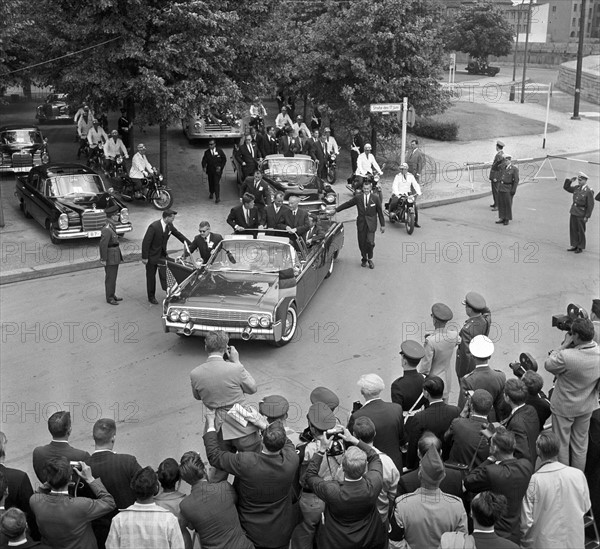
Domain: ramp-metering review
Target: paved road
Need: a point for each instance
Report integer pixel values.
(62, 346)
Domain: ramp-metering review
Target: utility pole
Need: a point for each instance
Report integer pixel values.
(525, 52)
(512, 88)
(579, 62)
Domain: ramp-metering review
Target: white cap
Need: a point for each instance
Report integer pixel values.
(481, 347)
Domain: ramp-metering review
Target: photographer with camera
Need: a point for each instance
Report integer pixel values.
(536, 397)
(522, 421)
(351, 516)
(576, 366)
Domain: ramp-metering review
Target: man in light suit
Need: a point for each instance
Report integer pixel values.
(576, 366)
(248, 155)
(213, 163)
(275, 212)
(246, 215)
(110, 254)
(439, 347)
(369, 209)
(205, 242)
(154, 251)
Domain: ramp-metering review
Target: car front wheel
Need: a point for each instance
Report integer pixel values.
(290, 324)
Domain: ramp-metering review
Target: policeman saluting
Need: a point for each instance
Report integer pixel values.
(110, 253)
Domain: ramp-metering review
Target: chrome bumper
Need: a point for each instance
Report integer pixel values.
(234, 332)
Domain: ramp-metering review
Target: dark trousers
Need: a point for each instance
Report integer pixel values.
(504, 203)
(354, 160)
(494, 191)
(151, 269)
(214, 183)
(110, 280)
(577, 231)
(248, 443)
(366, 243)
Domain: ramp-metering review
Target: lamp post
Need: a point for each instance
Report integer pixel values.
(579, 62)
(512, 88)
(525, 51)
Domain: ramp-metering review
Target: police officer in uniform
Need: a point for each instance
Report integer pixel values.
(478, 323)
(110, 254)
(507, 187)
(325, 395)
(495, 173)
(483, 377)
(275, 408)
(581, 210)
(408, 389)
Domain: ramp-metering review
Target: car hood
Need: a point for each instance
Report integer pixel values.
(230, 290)
(85, 202)
(302, 181)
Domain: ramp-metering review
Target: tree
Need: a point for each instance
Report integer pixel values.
(480, 30)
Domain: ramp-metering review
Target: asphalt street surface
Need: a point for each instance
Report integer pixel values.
(64, 347)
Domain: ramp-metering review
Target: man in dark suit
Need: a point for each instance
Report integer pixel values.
(154, 251)
(19, 489)
(464, 437)
(275, 212)
(59, 425)
(314, 148)
(436, 418)
(65, 521)
(257, 187)
(13, 531)
(213, 163)
(248, 155)
(523, 420)
(351, 516)
(295, 219)
(315, 233)
(110, 254)
(496, 172)
(269, 144)
(534, 383)
(114, 470)
(246, 215)
(288, 144)
(408, 389)
(387, 417)
(368, 207)
(452, 482)
(264, 483)
(503, 474)
(415, 160)
(205, 242)
(486, 509)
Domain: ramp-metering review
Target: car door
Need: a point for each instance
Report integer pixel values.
(307, 280)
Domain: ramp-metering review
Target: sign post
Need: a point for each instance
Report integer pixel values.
(452, 68)
(404, 117)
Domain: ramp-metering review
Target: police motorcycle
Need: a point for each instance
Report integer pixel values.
(115, 167)
(355, 184)
(403, 212)
(153, 190)
(332, 167)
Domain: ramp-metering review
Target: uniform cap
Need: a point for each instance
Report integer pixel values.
(320, 416)
(111, 210)
(412, 350)
(441, 312)
(326, 396)
(141, 146)
(507, 155)
(432, 467)
(274, 406)
(475, 301)
(581, 174)
(499, 143)
(481, 347)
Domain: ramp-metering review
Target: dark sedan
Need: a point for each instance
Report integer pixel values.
(21, 148)
(57, 108)
(68, 200)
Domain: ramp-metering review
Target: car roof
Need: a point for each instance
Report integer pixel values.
(68, 168)
(9, 127)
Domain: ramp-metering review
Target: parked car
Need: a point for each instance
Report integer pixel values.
(56, 108)
(253, 286)
(479, 66)
(22, 148)
(295, 175)
(68, 200)
(208, 125)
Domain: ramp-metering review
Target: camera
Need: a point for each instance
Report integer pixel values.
(564, 322)
(75, 465)
(226, 353)
(526, 363)
(337, 443)
(489, 430)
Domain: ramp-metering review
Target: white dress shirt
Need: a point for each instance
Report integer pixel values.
(402, 184)
(332, 145)
(282, 120)
(96, 137)
(367, 164)
(140, 167)
(112, 148)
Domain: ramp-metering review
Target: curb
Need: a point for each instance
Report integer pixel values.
(454, 199)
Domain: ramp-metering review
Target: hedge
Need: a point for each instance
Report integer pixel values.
(442, 131)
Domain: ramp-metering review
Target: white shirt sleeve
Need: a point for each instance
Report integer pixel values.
(411, 179)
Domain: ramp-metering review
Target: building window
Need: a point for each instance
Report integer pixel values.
(574, 7)
(573, 22)
(553, 9)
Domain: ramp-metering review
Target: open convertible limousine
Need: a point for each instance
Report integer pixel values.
(254, 285)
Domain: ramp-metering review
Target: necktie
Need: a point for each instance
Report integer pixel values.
(247, 215)
(251, 150)
(366, 200)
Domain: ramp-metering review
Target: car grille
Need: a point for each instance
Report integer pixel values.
(218, 315)
(93, 220)
(225, 128)
(22, 160)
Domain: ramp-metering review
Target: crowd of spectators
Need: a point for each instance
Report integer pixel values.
(505, 470)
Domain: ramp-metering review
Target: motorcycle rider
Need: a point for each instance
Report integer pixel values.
(113, 147)
(366, 165)
(84, 125)
(140, 169)
(331, 145)
(257, 112)
(96, 137)
(405, 184)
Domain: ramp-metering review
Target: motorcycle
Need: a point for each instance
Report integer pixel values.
(404, 212)
(356, 182)
(331, 168)
(115, 168)
(95, 157)
(152, 190)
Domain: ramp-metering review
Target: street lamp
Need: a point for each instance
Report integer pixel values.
(514, 77)
(525, 51)
(579, 62)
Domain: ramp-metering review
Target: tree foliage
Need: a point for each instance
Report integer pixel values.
(480, 30)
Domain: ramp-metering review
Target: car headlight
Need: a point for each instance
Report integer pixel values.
(253, 321)
(119, 160)
(330, 198)
(265, 321)
(410, 199)
(174, 315)
(45, 158)
(184, 316)
(124, 215)
(63, 221)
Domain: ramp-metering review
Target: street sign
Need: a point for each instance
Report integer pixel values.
(386, 107)
(410, 116)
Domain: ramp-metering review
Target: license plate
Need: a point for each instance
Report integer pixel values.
(94, 234)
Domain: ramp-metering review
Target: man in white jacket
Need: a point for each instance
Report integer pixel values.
(140, 169)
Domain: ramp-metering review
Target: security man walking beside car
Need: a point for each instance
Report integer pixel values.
(213, 163)
(368, 208)
(110, 254)
(581, 210)
(154, 251)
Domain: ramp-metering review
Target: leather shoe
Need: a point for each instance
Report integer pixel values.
(506, 221)
(111, 302)
(371, 264)
(117, 298)
(363, 263)
(417, 226)
(494, 209)
(492, 205)
(578, 250)
(153, 300)
(210, 196)
(499, 221)
(571, 249)
(217, 200)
